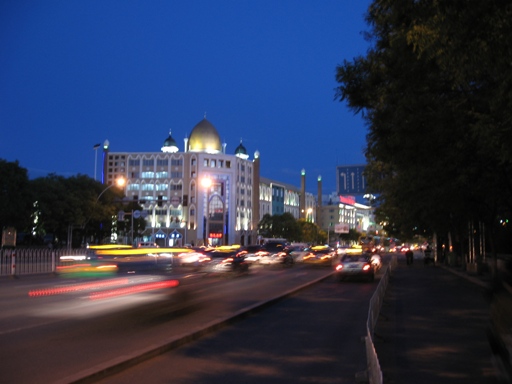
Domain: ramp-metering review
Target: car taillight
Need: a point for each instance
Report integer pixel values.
(228, 260)
(339, 267)
(366, 267)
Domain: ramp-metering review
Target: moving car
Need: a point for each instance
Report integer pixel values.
(320, 255)
(283, 258)
(225, 262)
(252, 253)
(358, 266)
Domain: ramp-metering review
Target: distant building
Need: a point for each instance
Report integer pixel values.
(201, 195)
(277, 198)
(205, 195)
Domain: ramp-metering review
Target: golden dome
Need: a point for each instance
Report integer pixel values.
(204, 138)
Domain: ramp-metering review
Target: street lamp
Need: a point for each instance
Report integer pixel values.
(308, 216)
(120, 182)
(206, 183)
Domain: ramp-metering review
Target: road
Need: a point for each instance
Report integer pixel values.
(63, 345)
(313, 336)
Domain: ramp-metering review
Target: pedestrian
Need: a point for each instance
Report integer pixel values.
(409, 256)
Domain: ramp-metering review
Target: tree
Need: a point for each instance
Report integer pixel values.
(15, 197)
(279, 226)
(65, 205)
(436, 151)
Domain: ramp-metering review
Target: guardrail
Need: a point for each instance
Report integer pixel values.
(31, 261)
(374, 372)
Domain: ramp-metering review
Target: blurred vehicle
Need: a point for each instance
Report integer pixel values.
(225, 261)
(376, 261)
(147, 244)
(297, 252)
(320, 255)
(194, 259)
(252, 253)
(351, 266)
(352, 250)
(94, 297)
(121, 260)
(283, 258)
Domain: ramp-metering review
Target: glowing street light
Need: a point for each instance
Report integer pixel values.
(120, 182)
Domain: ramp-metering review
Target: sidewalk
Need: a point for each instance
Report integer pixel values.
(432, 327)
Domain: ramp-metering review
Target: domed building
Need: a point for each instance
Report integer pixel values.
(204, 138)
(200, 195)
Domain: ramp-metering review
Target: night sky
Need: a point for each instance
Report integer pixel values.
(74, 73)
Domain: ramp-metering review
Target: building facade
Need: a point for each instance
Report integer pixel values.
(201, 195)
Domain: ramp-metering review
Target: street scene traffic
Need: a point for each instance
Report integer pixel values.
(76, 324)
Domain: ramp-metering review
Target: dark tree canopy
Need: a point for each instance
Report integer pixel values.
(15, 197)
(435, 90)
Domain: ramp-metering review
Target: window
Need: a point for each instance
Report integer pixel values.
(134, 162)
(193, 162)
(205, 162)
(176, 162)
(228, 164)
(213, 163)
(148, 162)
(162, 162)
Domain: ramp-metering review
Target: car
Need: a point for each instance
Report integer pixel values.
(354, 266)
(194, 259)
(376, 261)
(320, 255)
(147, 244)
(225, 262)
(297, 251)
(252, 253)
(281, 258)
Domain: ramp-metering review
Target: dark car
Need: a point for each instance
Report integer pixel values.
(355, 266)
(225, 262)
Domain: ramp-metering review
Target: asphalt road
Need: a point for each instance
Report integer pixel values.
(314, 336)
(60, 346)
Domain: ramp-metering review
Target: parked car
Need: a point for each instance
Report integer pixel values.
(355, 266)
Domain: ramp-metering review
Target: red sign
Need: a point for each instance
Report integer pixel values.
(350, 200)
(216, 235)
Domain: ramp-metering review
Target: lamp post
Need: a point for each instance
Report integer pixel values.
(120, 182)
(96, 146)
(206, 183)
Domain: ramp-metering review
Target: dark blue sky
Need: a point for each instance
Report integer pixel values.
(74, 73)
